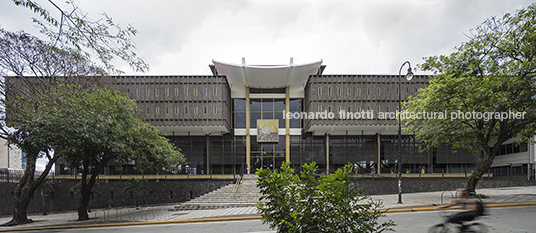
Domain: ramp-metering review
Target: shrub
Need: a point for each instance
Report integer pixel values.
(307, 203)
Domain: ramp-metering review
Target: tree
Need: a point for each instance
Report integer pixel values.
(74, 38)
(37, 130)
(76, 32)
(45, 186)
(101, 129)
(491, 81)
(306, 203)
(138, 185)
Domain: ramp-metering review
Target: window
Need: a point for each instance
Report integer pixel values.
(176, 91)
(387, 91)
(167, 110)
(185, 91)
(368, 91)
(349, 109)
(148, 91)
(205, 110)
(185, 110)
(416, 90)
(319, 108)
(147, 110)
(167, 91)
(156, 92)
(319, 91)
(195, 91)
(349, 91)
(195, 110)
(379, 109)
(137, 92)
(329, 90)
(378, 91)
(214, 110)
(157, 110)
(387, 109)
(176, 110)
(214, 91)
(339, 91)
(339, 109)
(329, 108)
(397, 91)
(358, 91)
(205, 92)
(359, 108)
(407, 89)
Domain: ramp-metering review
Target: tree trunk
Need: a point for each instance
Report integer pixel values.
(85, 191)
(83, 204)
(482, 168)
(44, 203)
(25, 190)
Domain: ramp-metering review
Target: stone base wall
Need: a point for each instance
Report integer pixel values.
(390, 185)
(166, 192)
(111, 195)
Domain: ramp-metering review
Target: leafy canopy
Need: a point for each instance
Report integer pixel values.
(493, 72)
(307, 203)
(75, 31)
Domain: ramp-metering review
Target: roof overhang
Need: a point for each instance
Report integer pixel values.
(267, 76)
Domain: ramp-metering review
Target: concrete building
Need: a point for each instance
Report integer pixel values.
(259, 115)
(11, 157)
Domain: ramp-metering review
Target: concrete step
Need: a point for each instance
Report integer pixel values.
(246, 194)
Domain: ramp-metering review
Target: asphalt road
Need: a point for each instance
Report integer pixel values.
(499, 220)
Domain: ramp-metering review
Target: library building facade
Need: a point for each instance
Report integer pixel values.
(245, 117)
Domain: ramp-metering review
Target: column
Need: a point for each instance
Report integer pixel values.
(248, 137)
(327, 154)
(207, 138)
(379, 155)
(287, 126)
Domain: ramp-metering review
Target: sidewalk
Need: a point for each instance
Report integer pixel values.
(162, 214)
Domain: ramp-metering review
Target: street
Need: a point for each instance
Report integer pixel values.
(499, 220)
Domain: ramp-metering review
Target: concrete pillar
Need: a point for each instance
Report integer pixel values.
(287, 125)
(378, 165)
(248, 137)
(327, 154)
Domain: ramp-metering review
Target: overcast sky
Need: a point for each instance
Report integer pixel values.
(351, 37)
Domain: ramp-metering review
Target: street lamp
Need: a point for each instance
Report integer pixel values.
(409, 76)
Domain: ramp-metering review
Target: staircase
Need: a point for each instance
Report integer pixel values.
(247, 194)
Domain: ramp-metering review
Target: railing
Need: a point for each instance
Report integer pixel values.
(14, 175)
(152, 177)
(127, 214)
(239, 179)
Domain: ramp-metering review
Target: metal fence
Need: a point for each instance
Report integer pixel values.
(14, 175)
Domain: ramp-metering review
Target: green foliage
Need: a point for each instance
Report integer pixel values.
(493, 72)
(138, 185)
(307, 203)
(75, 31)
(78, 186)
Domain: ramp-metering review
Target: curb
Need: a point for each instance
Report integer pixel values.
(435, 208)
(228, 219)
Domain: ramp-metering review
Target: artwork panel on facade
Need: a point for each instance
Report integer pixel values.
(267, 130)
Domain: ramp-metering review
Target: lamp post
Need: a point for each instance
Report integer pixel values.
(409, 76)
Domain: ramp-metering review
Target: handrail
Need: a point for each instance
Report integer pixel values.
(239, 179)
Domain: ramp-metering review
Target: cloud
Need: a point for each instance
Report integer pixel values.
(182, 37)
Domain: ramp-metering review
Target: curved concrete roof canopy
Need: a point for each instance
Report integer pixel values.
(267, 76)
